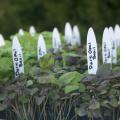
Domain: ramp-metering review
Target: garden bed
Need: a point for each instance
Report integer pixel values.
(57, 87)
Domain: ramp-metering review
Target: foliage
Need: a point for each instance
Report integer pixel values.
(57, 87)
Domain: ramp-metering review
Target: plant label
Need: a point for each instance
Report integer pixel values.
(113, 45)
(2, 41)
(41, 47)
(68, 33)
(32, 31)
(106, 47)
(56, 41)
(21, 32)
(17, 57)
(92, 53)
(76, 35)
(117, 35)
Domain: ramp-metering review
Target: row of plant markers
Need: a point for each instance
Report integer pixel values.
(69, 34)
(72, 37)
(110, 42)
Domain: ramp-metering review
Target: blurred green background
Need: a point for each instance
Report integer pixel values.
(46, 14)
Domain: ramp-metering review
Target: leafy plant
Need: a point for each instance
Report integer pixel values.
(57, 87)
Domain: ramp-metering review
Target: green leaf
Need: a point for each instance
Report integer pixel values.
(34, 71)
(114, 102)
(47, 61)
(23, 99)
(29, 83)
(105, 104)
(33, 91)
(102, 92)
(72, 54)
(48, 79)
(70, 77)
(54, 95)
(71, 88)
(82, 87)
(94, 105)
(119, 101)
(53, 81)
(86, 97)
(116, 86)
(118, 55)
(81, 111)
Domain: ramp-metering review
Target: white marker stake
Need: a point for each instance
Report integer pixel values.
(56, 42)
(76, 35)
(21, 32)
(114, 47)
(68, 33)
(32, 31)
(92, 53)
(41, 47)
(117, 35)
(2, 41)
(17, 57)
(106, 47)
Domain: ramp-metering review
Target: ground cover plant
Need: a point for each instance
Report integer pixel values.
(57, 87)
